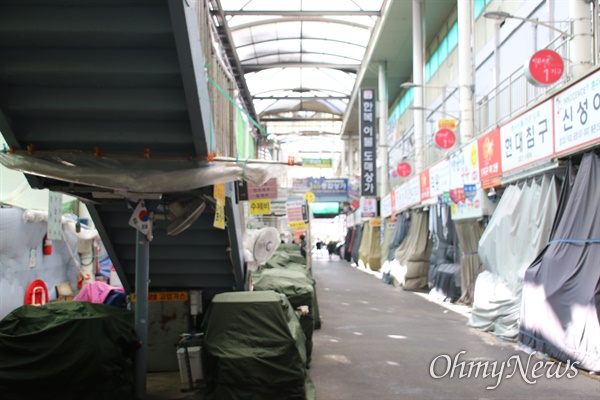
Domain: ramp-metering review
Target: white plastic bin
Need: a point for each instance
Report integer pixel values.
(195, 364)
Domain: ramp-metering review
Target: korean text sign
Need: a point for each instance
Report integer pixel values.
(527, 138)
(577, 114)
(368, 184)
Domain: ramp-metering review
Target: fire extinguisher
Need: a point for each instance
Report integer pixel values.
(47, 247)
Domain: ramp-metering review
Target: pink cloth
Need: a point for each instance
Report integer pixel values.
(96, 292)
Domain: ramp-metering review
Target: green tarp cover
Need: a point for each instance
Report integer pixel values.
(297, 287)
(254, 348)
(67, 350)
(284, 257)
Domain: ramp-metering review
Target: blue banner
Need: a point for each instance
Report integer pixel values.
(323, 187)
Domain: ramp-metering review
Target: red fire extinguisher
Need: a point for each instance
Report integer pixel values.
(47, 247)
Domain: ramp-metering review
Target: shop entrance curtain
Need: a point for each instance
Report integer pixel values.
(412, 257)
(469, 232)
(443, 268)
(516, 234)
(561, 295)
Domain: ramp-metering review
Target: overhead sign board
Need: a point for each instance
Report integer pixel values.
(317, 162)
(368, 207)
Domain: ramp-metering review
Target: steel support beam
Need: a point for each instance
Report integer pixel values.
(142, 275)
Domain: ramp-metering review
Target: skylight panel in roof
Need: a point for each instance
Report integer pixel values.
(333, 47)
(335, 31)
(240, 20)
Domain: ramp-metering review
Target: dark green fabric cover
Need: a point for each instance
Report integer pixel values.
(297, 287)
(284, 258)
(67, 350)
(253, 348)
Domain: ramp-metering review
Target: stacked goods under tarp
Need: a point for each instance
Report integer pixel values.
(389, 227)
(293, 253)
(561, 295)
(400, 232)
(357, 242)
(469, 232)
(288, 257)
(67, 350)
(348, 244)
(411, 265)
(254, 348)
(369, 251)
(444, 272)
(299, 290)
(516, 234)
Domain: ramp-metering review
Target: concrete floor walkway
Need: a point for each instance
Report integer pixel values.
(379, 342)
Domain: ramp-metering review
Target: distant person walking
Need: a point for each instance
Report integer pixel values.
(319, 246)
(302, 246)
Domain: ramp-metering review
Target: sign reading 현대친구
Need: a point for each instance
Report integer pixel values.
(368, 184)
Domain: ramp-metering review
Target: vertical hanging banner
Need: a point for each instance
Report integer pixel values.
(219, 195)
(55, 216)
(368, 183)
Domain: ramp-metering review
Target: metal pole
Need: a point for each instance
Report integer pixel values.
(418, 45)
(142, 260)
(595, 22)
(465, 72)
(579, 45)
(383, 139)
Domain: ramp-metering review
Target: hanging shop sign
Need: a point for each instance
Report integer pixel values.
(300, 185)
(425, 189)
(439, 178)
(408, 194)
(375, 221)
(55, 216)
(577, 114)
(323, 187)
(544, 68)
(448, 123)
(368, 207)
(260, 206)
(386, 206)
(404, 169)
(266, 191)
(527, 138)
(368, 185)
(355, 204)
(464, 166)
(490, 159)
(317, 162)
(296, 211)
(445, 138)
(354, 188)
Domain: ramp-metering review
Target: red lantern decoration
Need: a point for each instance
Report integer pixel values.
(404, 169)
(445, 138)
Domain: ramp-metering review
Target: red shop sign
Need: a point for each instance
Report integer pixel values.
(445, 138)
(404, 169)
(545, 67)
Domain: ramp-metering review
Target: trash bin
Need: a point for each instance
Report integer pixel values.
(195, 364)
